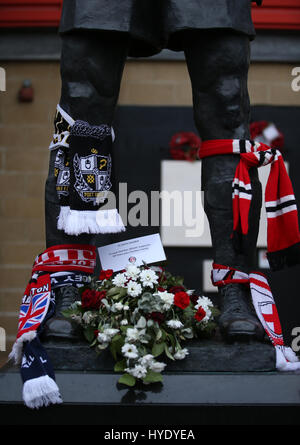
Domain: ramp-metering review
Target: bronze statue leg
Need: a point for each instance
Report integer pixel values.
(91, 70)
(218, 65)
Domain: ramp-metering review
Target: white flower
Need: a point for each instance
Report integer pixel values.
(148, 277)
(134, 289)
(118, 306)
(146, 360)
(138, 371)
(203, 302)
(157, 366)
(103, 338)
(110, 332)
(175, 324)
(167, 298)
(120, 280)
(125, 307)
(124, 322)
(129, 351)
(181, 354)
(88, 317)
(76, 318)
(132, 271)
(132, 334)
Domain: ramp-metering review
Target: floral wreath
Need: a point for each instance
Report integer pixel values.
(185, 146)
(141, 313)
(268, 133)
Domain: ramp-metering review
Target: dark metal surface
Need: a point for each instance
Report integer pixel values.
(155, 24)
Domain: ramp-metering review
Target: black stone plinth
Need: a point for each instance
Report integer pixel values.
(190, 398)
(204, 356)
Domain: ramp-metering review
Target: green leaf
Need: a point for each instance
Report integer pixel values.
(127, 379)
(153, 377)
(88, 333)
(120, 366)
(158, 348)
(113, 291)
(168, 353)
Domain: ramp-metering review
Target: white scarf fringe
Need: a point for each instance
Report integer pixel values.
(17, 349)
(41, 391)
(75, 222)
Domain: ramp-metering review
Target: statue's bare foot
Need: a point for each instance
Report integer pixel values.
(59, 328)
(238, 321)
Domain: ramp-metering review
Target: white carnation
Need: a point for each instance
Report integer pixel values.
(129, 351)
(138, 371)
(119, 280)
(157, 366)
(167, 299)
(203, 302)
(103, 338)
(146, 360)
(132, 334)
(124, 322)
(175, 324)
(148, 277)
(110, 332)
(118, 306)
(181, 354)
(132, 271)
(134, 289)
(125, 307)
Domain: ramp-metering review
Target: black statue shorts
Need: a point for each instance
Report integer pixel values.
(157, 24)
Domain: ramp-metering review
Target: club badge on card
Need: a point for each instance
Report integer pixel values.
(145, 248)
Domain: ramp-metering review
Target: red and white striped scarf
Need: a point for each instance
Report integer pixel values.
(265, 307)
(282, 216)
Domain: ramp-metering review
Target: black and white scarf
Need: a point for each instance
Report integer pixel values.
(84, 176)
(58, 266)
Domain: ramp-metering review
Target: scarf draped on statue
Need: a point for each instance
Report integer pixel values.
(57, 266)
(282, 216)
(265, 307)
(84, 176)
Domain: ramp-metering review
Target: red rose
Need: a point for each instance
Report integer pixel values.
(156, 316)
(91, 299)
(161, 289)
(105, 274)
(200, 314)
(175, 289)
(182, 300)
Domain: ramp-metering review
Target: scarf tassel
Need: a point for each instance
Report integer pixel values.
(41, 391)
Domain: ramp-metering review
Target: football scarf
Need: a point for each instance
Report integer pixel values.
(58, 266)
(84, 176)
(265, 308)
(283, 237)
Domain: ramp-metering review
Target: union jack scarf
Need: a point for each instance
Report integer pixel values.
(283, 237)
(57, 266)
(265, 307)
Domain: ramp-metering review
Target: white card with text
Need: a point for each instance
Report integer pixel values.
(134, 251)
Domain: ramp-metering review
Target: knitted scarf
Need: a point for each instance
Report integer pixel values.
(84, 176)
(282, 216)
(265, 307)
(57, 266)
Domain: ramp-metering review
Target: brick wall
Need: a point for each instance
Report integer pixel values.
(25, 132)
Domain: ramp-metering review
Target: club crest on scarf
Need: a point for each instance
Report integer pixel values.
(34, 305)
(92, 175)
(62, 174)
